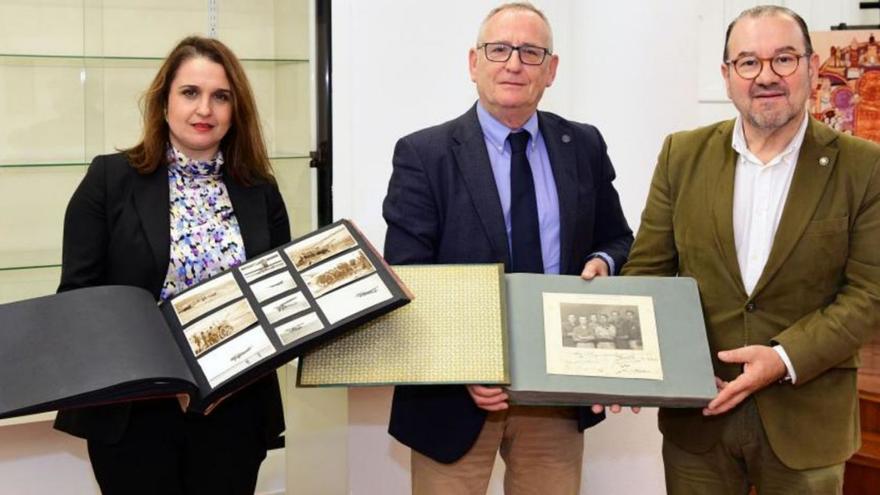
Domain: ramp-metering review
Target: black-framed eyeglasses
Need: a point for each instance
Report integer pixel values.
(501, 52)
(782, 64)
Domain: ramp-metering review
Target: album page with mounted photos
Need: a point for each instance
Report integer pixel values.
(110, 343)
(550, 339)
(633, 341)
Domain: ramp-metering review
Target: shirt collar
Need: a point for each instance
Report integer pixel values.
(496, 132)
(177, 160)
(740, 146)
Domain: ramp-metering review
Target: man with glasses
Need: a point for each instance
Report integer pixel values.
(777, 216)
(502, 183)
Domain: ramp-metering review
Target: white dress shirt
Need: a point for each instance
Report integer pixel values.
(759, 194)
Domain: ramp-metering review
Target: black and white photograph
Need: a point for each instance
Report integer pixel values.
(601, 335)
(273, 286)
(337, 272)
(299, 328)
(354, 298)
(598, 326)
(236, 355)
(206, 297)
(286, 306)
(207, 333)
(256, 268)
(319, 247)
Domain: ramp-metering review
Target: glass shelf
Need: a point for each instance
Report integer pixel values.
(32, 418)
(84, 164)
(37, 58)
(38, 197)
(41, 165)
(28, 267)
(30, 259)
(43, 216)
(16, 285)
(257, 29)
(84, 112)
(72, 73)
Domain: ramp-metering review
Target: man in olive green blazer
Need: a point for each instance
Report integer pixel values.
(777, 217)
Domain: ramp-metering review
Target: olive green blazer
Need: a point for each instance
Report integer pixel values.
(818, 296)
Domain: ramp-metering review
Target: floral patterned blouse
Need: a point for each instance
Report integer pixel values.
(205, 236)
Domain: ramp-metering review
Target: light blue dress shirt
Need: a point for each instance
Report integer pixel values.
(495, 134)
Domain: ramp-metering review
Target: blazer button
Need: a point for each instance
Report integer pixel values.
(751, 307)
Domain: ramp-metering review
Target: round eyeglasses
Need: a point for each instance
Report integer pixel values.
(782, 64)
(501, 52)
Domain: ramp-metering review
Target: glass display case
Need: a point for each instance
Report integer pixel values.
(72, 73)
(71, 76)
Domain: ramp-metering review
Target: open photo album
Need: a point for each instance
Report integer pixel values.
(110, 343)
(547, 339)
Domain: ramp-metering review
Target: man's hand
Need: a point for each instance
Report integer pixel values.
(596, 267)
(615, 408)
(761, 367)
(488, 398)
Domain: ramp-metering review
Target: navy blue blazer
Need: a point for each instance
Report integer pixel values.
(443, 207)
(117, 232)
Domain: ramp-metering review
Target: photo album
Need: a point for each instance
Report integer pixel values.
(110, 343)
(547, 339)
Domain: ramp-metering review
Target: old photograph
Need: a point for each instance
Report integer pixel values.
(601, 335)
(286, 306)
(236, 355)
(337, 272)
(273, 286)
(219, 326)
(206, 297)
(319, 247)
(256, 268)
(599, 326)
(354, 298)
(299, 328)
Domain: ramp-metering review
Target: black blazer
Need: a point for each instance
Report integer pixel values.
(443, 207)
(117, 232)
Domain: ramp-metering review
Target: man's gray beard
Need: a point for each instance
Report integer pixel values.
(773, 121)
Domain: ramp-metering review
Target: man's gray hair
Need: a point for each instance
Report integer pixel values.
(526, 6)
(768, 10)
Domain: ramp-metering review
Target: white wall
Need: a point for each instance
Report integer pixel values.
(34, 459)
(626, 67)
(636, 69)
(38, 460)
(398, 67)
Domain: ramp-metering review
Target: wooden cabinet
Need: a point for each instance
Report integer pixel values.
(863, 469)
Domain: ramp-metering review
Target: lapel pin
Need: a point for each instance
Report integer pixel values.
(566, 138)
(824, 161)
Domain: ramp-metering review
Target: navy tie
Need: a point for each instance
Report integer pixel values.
(525, 236)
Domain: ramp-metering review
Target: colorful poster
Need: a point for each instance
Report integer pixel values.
(847, 96)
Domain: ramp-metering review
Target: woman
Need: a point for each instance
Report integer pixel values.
(195, 197)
